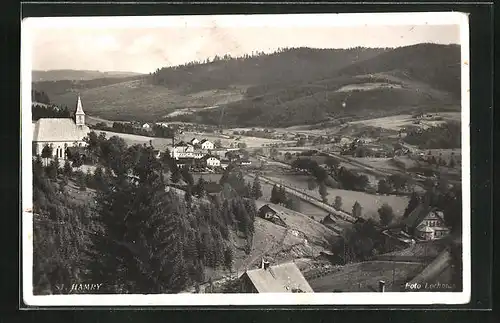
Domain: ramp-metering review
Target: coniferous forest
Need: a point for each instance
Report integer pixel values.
(137, 236)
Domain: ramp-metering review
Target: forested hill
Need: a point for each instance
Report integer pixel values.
(288, 87)
(284, 66)
(436, 65)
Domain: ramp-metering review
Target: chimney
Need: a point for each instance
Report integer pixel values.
(265, 264)
(381, 286)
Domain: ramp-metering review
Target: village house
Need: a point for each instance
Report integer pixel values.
(330, 222)
(245, 162)
(283, 278)
(181, 150)
(60, 133)
(426, 223)
(211, 161)
(273, 214)
(194, 141)
(146, 126)
(206, 144)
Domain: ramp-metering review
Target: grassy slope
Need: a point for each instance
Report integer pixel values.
(364, 276)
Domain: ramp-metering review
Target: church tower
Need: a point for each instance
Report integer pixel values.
(79, 114)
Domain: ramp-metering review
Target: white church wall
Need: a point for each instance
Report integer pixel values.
(62, 145)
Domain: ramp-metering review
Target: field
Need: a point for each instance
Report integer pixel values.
(312, 230)
(305, 207)
(226, 142)
(403, 120)
(364, 276)
(158, 143)
(379, 163)
(163, 143)
(369, 202)
(129, 99)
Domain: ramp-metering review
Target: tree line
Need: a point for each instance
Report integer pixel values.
(127, 127)
(444, 136)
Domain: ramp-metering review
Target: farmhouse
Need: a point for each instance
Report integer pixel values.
(284, 278)
(146, 126)
(206, 144)
(426, 223)
(60, 133)
(194, 141)
(329, 222)
(245, 162)
(272, 214)
(211, 161)
(181, 150)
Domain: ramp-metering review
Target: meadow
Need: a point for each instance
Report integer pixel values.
(365, 276)
(369, 202)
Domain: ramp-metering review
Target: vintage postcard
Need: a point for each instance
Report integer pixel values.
(302, 159)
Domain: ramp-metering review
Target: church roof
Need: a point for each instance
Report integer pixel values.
(58, 129)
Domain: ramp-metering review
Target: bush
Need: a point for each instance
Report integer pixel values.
(386, 214)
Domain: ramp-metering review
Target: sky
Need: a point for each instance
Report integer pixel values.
(142, 48)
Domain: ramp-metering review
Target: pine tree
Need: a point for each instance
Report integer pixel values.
(188, 196)
(356, 210)
(412, 204)
(142, 245)
(338, 202)
(323, 192)
(89, 179)
(256, 189)
(81, 181)
(228, 258)
(200, 188)
(282, 195)
(38, 166)
(176, 175)
(187, 176)
(275, 195)
(67, 169)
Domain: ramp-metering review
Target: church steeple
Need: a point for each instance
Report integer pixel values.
(79, 114)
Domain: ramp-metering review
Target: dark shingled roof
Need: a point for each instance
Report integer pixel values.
(418, 215)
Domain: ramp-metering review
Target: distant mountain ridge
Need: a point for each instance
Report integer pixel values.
(290, 87)
(68, 74)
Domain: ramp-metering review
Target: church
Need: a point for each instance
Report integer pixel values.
(60, 133)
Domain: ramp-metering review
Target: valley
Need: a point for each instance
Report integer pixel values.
(343, 155)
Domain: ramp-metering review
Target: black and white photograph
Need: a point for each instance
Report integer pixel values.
(170, 158)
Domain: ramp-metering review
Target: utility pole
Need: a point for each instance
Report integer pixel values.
(393, 273)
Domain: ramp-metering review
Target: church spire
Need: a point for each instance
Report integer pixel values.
(79, 114)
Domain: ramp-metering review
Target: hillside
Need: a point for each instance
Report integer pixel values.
(438, 66)
(289, 87)
(57, 75)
